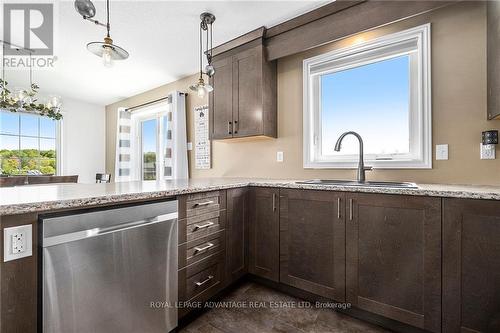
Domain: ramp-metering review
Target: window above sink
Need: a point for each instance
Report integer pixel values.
(379, 89)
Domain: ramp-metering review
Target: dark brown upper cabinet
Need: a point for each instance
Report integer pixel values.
(471, 265)
(264, 232)
(237, 234)
(393, 257)
(493, 58)
(243, 103)
(312, 242)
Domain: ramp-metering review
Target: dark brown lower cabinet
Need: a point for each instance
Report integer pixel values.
(237, 234)
(264, 232)
(393, 260)
(471, 266)
(312, 242)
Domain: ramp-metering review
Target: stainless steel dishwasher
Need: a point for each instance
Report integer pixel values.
(111, 270)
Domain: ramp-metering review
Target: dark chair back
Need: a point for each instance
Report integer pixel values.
(103, 178)
(52, 179)
(12, 181)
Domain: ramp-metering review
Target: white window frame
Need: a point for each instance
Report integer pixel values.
(156, 111)
(415, 42)
(58, 138)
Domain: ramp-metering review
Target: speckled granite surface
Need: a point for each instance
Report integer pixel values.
(40, 198)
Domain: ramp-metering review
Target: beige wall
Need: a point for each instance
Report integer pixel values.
(458, 106)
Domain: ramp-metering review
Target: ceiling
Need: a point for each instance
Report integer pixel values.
(161, 37)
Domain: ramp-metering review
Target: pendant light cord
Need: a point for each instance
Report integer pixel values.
(201, 51)
(107, 14)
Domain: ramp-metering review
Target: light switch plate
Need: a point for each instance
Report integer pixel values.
(441, 152)
(279, 156)
(17, 242)
(487, 152)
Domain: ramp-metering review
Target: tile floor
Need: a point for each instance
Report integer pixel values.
(263, 315)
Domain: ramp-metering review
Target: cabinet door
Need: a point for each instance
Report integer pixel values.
(221, 99)
(247, 93)
(237, 233)
(471, 266)
(393, 261)
(493, 58)
(312, 242)
(264, 233)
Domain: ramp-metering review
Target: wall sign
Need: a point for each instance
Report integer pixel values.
(201, 139)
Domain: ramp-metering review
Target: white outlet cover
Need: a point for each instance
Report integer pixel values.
(487, 152)
(279, 156)
(441, 152)
(26, 242)
(189, 146)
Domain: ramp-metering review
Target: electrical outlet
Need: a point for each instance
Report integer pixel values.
(17, 242)
(279, 156)
(487, 152)
(189, 146)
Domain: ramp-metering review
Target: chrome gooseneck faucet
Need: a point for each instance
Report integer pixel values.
(361, 164)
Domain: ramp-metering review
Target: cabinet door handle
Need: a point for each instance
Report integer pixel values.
(274, 202)
(350, 209)
(338, 208)
(236, 127)
(201, 249)
(229, 128)
(200, 204)
(199, 284)
(203, 226)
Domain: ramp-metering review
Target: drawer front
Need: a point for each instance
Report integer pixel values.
(197, 228)
(201, 248)
(201, 203)
(204, 278)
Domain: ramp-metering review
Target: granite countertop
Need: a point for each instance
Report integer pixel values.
(42, 198)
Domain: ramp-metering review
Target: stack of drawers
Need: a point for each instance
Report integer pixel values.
(202, 246)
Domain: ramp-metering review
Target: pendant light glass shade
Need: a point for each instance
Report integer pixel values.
(201, 88)
(108, 51)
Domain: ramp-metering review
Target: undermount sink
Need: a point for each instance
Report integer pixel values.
(358, 184)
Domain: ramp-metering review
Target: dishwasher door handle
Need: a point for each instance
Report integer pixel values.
(89, 233)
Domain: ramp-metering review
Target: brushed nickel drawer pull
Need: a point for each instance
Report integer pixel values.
(350, 209)
(203, 226)
(200, 249)
(201, 204)
(199, 284)
(274, 202)
(338, 208)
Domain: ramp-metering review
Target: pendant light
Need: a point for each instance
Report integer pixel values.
(201, 88)
(107, 50)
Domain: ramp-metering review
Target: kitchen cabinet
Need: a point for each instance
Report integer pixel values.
(312, 241)
(264, 232)
(237, 234)
(493, 58)
(471, 265)
(393, 257)
(243, 103)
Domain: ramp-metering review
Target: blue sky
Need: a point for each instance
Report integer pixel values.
(149, 135)
(372, 100)
(29, 127)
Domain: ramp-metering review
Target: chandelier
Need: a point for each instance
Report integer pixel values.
(25, 100)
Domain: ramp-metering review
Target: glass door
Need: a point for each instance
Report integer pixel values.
(149, 148)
